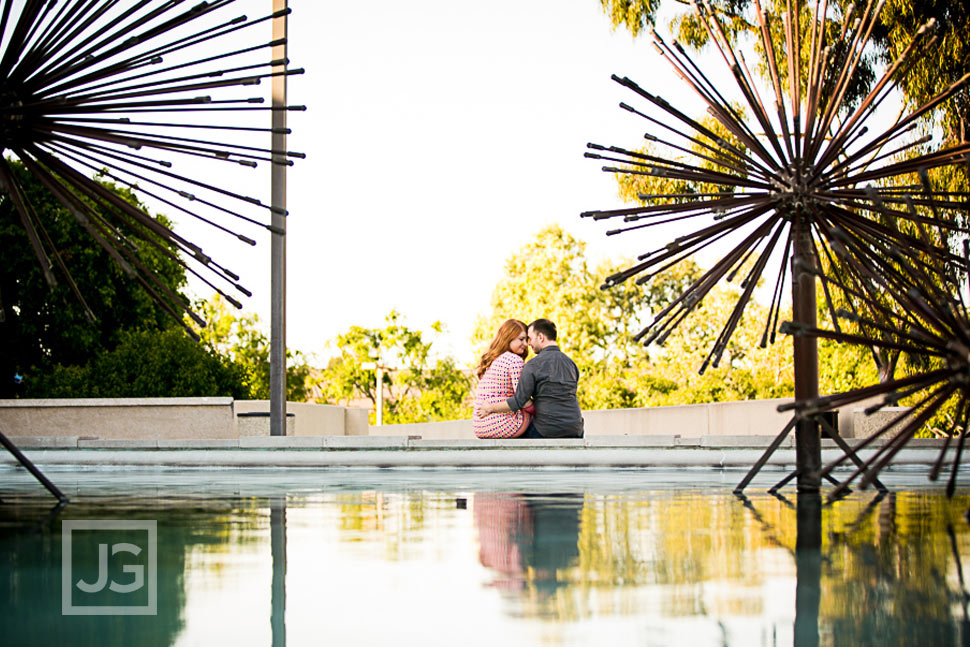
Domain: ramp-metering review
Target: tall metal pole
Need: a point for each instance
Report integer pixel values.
(277, 338)
(277, 523)
(808, 444)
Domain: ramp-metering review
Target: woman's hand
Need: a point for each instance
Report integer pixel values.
(483, 409)
(480, 410)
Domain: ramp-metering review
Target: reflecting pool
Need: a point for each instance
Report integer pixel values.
(623, 557)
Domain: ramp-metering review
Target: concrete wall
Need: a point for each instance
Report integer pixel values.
(128, 418)
(213, 418)
(866, 426)
(448, 430)
(356, 422)
(744, 418)
(168, 418)
(314, 419)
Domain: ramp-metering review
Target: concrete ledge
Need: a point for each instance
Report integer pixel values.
(371, 443)
(117, 443)
(747, 441)
(496, 443)
(192, 443)
(43, 441)
(476, 443)
(286, 442)
(632, 441)
(688, 442)
(508, 454)
(388, 458)
(367, 442)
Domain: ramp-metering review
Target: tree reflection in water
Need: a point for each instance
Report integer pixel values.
(671, 565)
(868, 570)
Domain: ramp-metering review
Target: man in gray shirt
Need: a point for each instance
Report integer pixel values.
(549, 380)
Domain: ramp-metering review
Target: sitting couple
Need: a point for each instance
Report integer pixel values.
(507, 384)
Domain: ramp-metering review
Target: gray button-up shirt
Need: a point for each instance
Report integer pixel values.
(549, 380)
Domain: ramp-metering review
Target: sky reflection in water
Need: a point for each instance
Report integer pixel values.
(486, 558)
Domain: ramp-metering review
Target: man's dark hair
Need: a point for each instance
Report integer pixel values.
(546, 327)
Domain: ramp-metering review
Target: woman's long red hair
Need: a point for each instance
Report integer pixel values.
(507, 332)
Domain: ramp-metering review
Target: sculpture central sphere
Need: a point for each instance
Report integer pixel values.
(796, 191)
(11, 115)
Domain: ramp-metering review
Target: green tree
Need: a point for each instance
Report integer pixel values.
(149, 364)
(746, 371)
(549, 276)
(42, 327)
(946, 62)
(417, 388)
(241, 339)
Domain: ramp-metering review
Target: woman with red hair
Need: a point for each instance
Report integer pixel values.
(498, 375)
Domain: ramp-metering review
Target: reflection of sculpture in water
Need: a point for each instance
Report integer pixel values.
(528, 540)
(875, 572)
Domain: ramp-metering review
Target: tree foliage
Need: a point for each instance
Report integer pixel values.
(149, 364)
(242, 340)
(42, 327)
(946, 62)
(549, 276)
(634, 15)
(417, 387)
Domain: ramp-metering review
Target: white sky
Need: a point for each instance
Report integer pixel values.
(440, 135)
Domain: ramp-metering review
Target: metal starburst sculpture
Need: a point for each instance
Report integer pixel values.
(88, 88)
(927, 320)
(793, 182)
(133, 91)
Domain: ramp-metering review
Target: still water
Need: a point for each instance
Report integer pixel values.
(628, 557)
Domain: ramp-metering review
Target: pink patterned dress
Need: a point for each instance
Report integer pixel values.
(497, 385)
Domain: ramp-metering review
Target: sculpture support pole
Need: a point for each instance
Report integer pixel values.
(277, 338)
(808, 569)
(808, 444)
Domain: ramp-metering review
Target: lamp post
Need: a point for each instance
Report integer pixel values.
(379, 390)
(379, 416)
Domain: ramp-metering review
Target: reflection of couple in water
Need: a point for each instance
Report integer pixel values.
(525, 538)
(507, 385)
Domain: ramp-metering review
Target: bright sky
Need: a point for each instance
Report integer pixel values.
(440, 135)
